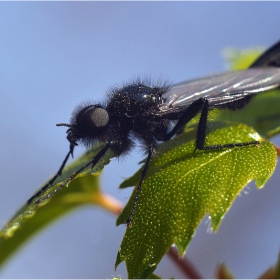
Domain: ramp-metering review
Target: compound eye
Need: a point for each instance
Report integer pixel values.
(99, 117)
(91, 120)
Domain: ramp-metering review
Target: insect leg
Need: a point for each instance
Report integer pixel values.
(202, 129)
(202, 105)
(187, 116)
(58, 173)
(138, 191)
(93, 162)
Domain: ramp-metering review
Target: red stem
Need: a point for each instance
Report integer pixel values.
(184, 264)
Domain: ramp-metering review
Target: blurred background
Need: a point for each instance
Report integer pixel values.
(56, 54)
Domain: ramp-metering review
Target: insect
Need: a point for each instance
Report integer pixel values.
(150, 114)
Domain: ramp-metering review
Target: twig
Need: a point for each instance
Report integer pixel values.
(184, 264)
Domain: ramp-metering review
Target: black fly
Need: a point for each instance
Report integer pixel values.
(150, 114)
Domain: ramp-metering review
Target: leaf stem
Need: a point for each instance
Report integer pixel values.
(277, 149)
(105, 201)
(110, 203)
(184, 264)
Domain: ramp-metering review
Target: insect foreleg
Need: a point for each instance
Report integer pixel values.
(93, 162)
(58, 173)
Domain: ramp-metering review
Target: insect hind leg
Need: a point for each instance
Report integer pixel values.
(202, 130)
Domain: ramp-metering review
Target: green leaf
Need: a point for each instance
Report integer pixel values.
(32, 218)
(181, 187)
(241, 59)
(204, 184)
(261, 113)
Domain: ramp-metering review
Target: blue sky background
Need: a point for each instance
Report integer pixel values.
(56, 54)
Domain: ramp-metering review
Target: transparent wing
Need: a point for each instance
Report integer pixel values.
(221, 89)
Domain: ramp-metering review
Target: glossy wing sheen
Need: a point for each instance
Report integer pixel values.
(220, 89)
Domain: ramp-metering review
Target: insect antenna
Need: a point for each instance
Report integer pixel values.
(63, 124)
